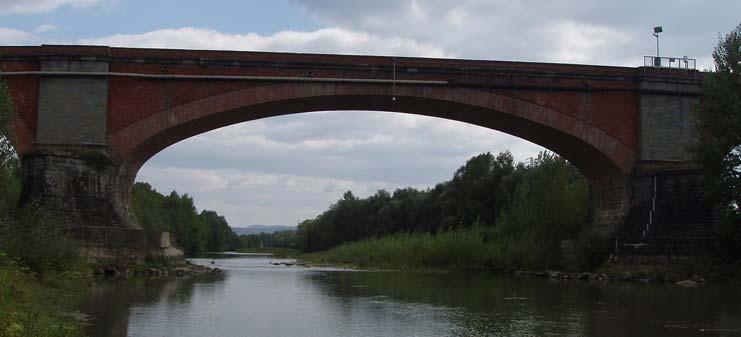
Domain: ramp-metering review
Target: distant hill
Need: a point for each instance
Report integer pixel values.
(257, 229)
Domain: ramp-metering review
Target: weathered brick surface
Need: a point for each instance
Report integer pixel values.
(81, 186)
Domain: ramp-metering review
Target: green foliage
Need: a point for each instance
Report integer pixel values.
(29, 307)
(10, 184)
(6, 116)
(476, 194)
(279, 239)
(719, 147)
(521, 215)
(30, 238)
(195, 233)
(549, 205)
(460, 249)
(10, 187)
(719, 121)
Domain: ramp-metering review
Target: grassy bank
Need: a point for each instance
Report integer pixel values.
(30, 306)
(481, 249)
(463, 249)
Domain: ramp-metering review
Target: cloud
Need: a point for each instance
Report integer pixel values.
(286, 168)
(39, 6)
(14, 36)
(572, 42)
(593, 32)
(328, 40)
(45, 28)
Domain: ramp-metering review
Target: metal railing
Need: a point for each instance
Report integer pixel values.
(683, 63)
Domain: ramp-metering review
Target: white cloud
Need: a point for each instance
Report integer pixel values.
(572, 42)
(39, 6)
(328, 40)
(45, 28)
(593, 32)
(14, 36)
(283, 169)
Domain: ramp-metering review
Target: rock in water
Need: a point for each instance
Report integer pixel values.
(688, 284)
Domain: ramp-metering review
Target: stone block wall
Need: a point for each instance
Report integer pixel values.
(80, 186)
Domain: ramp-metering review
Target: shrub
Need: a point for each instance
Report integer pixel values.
(38, 243)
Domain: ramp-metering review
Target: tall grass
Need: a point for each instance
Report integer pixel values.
(465, 248)
(30, 307)
(459, 249)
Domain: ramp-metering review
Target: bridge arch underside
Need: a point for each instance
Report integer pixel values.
(604, 160)
(596, 154)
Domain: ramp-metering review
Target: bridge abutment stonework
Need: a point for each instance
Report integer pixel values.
(81, 186)
(88, 117)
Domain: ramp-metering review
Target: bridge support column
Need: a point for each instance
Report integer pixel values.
(656, 215)
(73, 175)
(80, 187)
(668, 218)
(610, 202)
(86, 191)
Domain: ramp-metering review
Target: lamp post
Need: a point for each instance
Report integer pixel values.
(657, 30)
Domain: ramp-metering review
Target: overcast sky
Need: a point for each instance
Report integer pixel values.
(284, 169)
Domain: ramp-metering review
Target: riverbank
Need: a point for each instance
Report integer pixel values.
(42, 305)
(465, 249)
(469, 250)
(30, 306)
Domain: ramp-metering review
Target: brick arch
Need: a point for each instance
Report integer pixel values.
(593, 151)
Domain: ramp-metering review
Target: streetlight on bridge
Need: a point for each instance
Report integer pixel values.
(657, 30)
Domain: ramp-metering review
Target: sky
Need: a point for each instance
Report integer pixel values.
(281, 170)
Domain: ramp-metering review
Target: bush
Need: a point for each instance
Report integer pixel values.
(31, 238)
(591, 250)
(30, 308)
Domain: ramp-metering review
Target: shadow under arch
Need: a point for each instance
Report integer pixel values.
(595, 153)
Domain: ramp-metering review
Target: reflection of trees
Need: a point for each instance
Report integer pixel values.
(295, 302)
(484, 304)
(654, 310)
(108, 302)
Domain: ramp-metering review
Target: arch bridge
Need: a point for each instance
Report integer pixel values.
(88, 117)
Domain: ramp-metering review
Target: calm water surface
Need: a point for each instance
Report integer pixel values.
(255, 298)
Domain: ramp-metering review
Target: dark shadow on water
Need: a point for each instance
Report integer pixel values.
(503, 305)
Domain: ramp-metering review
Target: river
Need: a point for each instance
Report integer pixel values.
(255, 298)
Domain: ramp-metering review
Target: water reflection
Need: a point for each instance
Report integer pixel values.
(255, 298)
(111, 303)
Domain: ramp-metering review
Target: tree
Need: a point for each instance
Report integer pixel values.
(10, 185)
(6, 115)
(719, 122)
